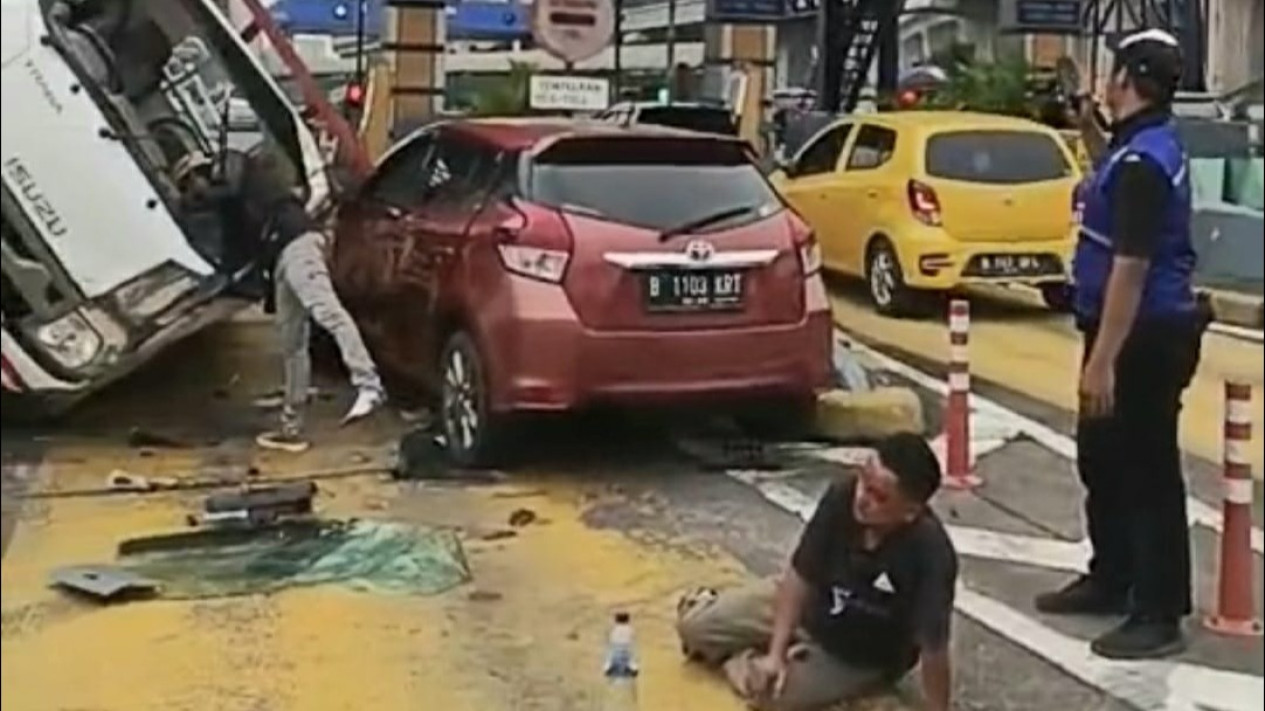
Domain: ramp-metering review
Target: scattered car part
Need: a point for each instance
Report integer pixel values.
(104, 582)
(122, 481)
(260, 506)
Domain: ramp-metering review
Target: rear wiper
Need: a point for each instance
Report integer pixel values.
(697, 224)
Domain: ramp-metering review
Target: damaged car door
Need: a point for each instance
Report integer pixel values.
(373, 264)
(429, 271)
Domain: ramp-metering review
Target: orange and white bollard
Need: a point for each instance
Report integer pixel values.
(957, 416)
(1236, 607)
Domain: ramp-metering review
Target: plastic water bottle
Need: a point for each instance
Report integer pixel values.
(621, 668)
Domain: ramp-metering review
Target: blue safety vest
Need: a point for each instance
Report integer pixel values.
(1168, 291)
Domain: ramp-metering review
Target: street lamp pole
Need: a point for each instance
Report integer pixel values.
(671, 50)
(360, 42)
(617, 81)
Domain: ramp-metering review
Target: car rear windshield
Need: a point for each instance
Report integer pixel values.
(703, 119)
(658, 183)
(996, 157)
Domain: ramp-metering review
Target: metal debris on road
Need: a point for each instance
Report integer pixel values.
(522, 517)
(122, 481)
(424, 455)
(364, 555)
(259, 506)
(295, 498)
(228, 479)
(104, 582)
(485, 596)
(140, 438)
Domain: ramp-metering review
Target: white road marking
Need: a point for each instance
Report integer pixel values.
(1240, 332)
(991, 412)
(1147, 685)
(969, 541)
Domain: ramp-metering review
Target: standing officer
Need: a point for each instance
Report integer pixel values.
(1142, 326)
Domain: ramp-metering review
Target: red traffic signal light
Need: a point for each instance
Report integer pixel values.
(907, 98)
(355, 95)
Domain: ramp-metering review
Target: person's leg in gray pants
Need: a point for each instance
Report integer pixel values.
(304, 291)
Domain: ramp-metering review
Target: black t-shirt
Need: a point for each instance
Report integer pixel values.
(879, 608)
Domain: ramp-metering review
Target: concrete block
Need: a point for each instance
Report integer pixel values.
(844, 416)
(1243, 310)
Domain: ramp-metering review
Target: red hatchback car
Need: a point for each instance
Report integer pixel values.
(510, 266)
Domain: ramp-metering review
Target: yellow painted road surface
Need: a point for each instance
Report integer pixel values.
(1017, 343)
(527, 634)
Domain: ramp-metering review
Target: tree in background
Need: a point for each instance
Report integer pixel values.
(1000, 86)
(505, 95)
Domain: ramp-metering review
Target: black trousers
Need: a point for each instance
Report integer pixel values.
(1130, 464)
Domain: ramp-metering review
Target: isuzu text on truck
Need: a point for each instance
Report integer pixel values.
(103, 263)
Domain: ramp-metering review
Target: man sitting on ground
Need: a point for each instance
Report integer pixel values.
(868, 595)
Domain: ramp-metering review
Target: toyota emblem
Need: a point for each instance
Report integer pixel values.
(699, 251)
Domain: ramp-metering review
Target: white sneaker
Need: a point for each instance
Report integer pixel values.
(367, 402)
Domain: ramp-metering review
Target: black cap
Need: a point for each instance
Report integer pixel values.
(622, 618)
(1152, 55)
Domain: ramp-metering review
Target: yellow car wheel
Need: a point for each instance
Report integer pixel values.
(886, 280)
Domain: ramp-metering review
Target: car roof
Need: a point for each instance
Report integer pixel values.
(527, 133)
(684, 105)
(933, 120)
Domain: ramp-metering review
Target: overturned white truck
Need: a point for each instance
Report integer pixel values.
(104, 263)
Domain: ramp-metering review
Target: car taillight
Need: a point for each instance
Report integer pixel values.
(538, 261)
(805, 242)
(924, 203)
(810, 257)
(545, 264)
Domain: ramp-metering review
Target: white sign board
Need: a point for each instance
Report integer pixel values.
(573, 30)
(562, 93)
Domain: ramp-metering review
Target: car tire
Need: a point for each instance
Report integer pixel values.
(885, 281)
(472, 432)
(1057, 297)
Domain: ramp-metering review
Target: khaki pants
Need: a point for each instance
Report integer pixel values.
(304, 294)
(735, 626)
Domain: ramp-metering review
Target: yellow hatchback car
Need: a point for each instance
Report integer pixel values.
(928, 201)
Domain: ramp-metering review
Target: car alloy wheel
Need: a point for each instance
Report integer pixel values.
(461, 407)
(884, 275)
(888, 292)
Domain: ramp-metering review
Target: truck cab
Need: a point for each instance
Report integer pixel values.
(105, 260)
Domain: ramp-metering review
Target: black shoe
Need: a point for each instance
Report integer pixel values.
(1141, 637)
(1083, 596)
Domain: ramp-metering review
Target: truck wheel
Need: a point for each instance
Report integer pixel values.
(472, 432)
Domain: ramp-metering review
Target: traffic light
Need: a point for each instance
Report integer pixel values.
(355, 96)
(354, 102)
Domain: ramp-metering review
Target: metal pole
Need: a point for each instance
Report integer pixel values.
(360, 43)
(617, 81)
(671, 47)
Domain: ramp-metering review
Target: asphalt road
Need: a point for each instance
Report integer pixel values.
(624, 520)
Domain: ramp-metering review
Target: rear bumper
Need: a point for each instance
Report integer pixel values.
(943, 263)
(545, 360)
